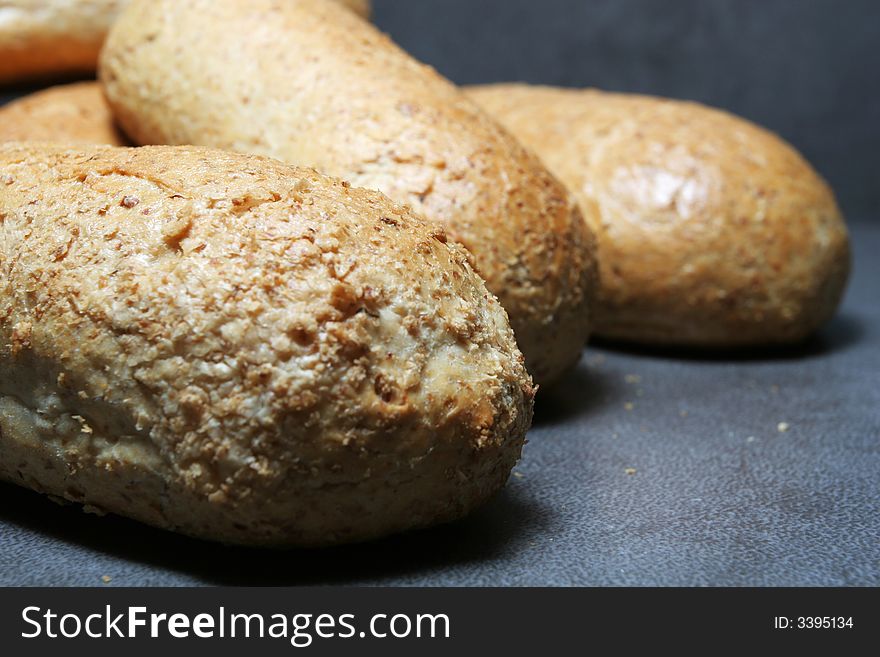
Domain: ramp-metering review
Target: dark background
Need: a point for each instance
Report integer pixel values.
(807, 69)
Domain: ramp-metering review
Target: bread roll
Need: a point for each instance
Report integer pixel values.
(313, 85)
(244, 351)
(711, 231)
(72, 114)
(62, 37)
(52, 37)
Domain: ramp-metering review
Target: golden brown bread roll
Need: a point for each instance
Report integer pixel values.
(711, 231)
(71, 114)
(244, 351)
(310, 84)
(52, 37)
(61, 37)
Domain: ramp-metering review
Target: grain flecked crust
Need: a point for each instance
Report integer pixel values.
(71, 114)
(309, 84)
(244, 351)
(40, 38)
(711, 231)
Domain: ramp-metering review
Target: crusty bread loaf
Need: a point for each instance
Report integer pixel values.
(711, 231)
(62, 37)
(313, 85)
(71, 114)
(244, 351)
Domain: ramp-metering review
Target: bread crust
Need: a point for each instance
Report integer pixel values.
(362, 8)
(244, 351)
(41, 38)
(70, 114)
(711, 230)
(52, 37)
(309, 84)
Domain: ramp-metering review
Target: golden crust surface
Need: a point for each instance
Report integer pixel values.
(309, 84)
(361, 7)
(72, 113)
(41, 38)
(711, 231)
(53, 37)
(244, 351)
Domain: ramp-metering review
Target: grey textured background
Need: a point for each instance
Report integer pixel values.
(719, 496)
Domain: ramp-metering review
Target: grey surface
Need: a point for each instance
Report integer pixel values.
(706, 505)
(719, 497)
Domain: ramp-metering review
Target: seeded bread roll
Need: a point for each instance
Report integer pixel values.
(313, 85)
(63, 37)
(71, 114)
(244, 351)
(711, 230)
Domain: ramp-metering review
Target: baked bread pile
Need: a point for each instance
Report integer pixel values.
(271, 281)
